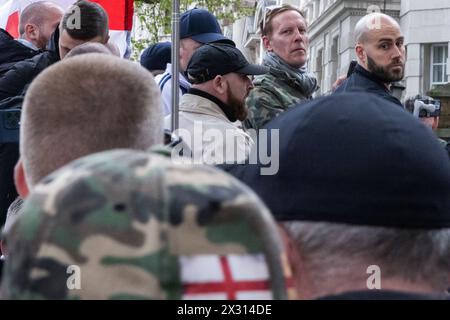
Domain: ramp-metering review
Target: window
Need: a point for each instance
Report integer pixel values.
(319, 67)
(334, 59)
(316, 9)
(439, 57)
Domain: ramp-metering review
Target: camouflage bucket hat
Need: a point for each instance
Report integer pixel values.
(126, 224)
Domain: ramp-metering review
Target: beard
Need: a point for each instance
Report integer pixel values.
(238, 108)
(385, 73)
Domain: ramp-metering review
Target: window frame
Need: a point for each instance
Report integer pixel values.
(441, 64)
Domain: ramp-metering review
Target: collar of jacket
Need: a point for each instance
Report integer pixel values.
(369, 75)
(284, 77)
(224, 107)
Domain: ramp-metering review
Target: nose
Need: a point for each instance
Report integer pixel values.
(298, 37)
(249, 84)
(398, 52)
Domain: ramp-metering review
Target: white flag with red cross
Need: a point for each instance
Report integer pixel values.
(120, 14)
(231, 277)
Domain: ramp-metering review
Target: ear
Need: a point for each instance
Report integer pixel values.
(220, 85)
(31, 32)
(266, 43)
(19, 180)
(293, 257)
(361, 53)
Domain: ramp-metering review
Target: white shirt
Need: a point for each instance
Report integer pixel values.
(164, 82)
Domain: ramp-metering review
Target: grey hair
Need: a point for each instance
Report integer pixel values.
(369, 22)
(344, 252)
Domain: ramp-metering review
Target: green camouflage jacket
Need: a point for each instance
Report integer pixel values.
(274, 93)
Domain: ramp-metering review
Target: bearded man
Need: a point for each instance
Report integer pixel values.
(380, 51)
(211, 111)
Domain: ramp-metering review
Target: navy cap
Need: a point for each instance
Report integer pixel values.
(157, 56)
(213, 59)
(355, 158)
(201, 26)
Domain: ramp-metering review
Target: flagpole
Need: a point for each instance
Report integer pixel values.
(175, 62)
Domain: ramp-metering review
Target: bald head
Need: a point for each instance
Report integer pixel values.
(38, 21)
(86, 104)
(380, 47)
(373, 22)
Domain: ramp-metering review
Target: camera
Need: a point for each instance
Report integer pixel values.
(427, 108)
(9, 125)
(423, 106)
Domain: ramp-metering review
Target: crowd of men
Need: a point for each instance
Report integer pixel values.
(102, 207)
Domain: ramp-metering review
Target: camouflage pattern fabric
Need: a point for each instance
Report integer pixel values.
(273, 94)
(124, 218)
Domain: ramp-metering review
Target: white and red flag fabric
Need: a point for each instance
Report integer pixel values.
(120, 14)
(232, 277)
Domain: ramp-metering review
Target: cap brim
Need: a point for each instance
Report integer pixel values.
(253, 70)
(212, 37)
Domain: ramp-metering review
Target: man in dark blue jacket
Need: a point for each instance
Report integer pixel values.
(380, 51)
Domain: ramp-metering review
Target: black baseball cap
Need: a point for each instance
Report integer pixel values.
(213, 59)
(201, 26)
(354, 158)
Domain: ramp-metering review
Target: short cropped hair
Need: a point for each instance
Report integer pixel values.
(34, 13)
(266, 24)
(86, 104)
(88, 47)
(93, 21)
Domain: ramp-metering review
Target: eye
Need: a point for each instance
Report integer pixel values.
(384, 46)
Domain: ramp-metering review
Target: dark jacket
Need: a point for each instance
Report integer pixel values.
(13, 85)
(12, 51)
(363, 80)
(447, 147)
(15, 82)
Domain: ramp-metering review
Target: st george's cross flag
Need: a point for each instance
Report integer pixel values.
(231, 277)
(120, 14)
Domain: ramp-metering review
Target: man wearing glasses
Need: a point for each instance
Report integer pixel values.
(286, 41)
